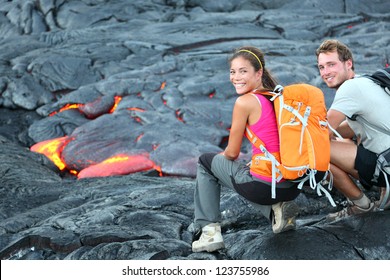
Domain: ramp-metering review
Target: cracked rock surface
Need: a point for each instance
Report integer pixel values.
(166, 61)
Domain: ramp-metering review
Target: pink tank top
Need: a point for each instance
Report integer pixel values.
(266, 129)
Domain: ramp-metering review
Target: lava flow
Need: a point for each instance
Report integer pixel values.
(120, 164)
(52, 149)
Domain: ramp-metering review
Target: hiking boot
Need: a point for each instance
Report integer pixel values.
(350, 210)
(210, 240)
(283, 217)
(379, 202)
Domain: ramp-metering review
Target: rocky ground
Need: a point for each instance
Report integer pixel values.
(166, 61)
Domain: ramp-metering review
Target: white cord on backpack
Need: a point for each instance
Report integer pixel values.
(335, 131)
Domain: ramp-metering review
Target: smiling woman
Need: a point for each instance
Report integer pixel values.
(241, 76)
(241, 64)
(250, 79)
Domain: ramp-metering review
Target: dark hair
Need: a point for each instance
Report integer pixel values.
(256, 57)
(332, 45)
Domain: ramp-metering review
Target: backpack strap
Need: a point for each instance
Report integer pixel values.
(258, 143)
(384, 72)
(335, 132)
(386, 196)
(383, 162)
(253, 138)
(356, 117)
(380, 77)
(318, 186)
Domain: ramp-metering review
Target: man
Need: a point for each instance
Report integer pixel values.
(355, 157)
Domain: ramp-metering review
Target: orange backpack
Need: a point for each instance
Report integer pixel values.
(304, 138)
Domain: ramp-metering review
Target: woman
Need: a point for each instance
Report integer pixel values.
(249, 77)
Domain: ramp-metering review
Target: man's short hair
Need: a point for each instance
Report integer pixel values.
(332, 45)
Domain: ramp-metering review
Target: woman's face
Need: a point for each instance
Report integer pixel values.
(243, 75)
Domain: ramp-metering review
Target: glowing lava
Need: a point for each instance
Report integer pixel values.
(52, 149)
(117, 99)
(121, 164)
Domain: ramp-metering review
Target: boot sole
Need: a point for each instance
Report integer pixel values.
(290, 211)
(209, 247)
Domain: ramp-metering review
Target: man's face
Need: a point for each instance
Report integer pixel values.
(333, 71)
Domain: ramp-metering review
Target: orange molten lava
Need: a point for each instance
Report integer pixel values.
(179, 115)
(117, 99)
(52, 149)
(139, 137)
(120, 164)
(66, 107)
(116, 102)
(158, 168)
(136, 109)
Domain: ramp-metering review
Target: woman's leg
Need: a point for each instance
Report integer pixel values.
(207, 194)
(213, 172)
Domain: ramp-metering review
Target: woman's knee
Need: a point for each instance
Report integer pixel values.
(206, 159)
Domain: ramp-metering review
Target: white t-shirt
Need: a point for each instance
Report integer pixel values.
(362, 97)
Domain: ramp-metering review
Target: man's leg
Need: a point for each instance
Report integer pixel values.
(342, 158)
(343, 155)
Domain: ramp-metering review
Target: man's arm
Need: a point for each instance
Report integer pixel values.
(345, 130)
(337, 121)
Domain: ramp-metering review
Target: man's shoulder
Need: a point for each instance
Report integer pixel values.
(358, 79)
(359, 82)
(350, 84)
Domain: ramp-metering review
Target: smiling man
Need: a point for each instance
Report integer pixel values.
(358, 109)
